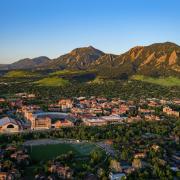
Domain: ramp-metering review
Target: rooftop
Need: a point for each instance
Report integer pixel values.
(6, 120)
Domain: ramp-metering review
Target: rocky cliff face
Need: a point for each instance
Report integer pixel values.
(154, 60)
(160, 59)
(80, 58)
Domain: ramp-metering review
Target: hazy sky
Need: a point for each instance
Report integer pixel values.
(31, 28)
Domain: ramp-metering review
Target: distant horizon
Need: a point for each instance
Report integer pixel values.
(34, 28)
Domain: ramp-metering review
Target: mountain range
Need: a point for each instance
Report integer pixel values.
(159, 59)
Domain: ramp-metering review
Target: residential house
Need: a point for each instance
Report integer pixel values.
(155, 147)
(169, 111)
(3, 175)
(61, 171)
(140, 155)
(62, 123)
(152, 118)
(65, 104)
(138, 163)
(2, 100)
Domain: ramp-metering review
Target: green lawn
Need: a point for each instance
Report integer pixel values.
(99, 80)
(164, 81)
(70, 72)
(42, 153)
(46, 152)
(20, 74)
(52, 81)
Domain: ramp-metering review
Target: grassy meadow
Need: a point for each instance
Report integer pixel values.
(163, 81)
(52, 81)
(70, 72)
(20, 74)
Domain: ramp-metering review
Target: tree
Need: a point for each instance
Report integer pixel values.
(96, 156)
(101, 173)
(7, 165)
(137, 163)
(115, 166)
(124, 154)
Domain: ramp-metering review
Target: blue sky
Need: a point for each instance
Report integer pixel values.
(31, 28)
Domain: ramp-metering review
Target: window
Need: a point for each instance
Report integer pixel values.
(10, 126)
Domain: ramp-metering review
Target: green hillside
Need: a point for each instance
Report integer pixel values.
(163, 81)
(20, 74)
(99, 80)
(70, 72)
(52, 81)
